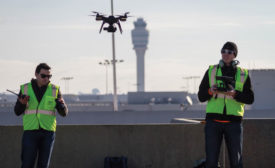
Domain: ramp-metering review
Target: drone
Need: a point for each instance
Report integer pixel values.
(111, 20)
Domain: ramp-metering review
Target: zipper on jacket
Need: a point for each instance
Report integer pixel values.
(37, 117)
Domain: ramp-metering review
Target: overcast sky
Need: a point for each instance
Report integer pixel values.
(185, 38)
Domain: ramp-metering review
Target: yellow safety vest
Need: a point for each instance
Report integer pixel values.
(217, 102)
(40, 115)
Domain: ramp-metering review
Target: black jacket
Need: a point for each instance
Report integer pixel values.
(246, 97)
(20, 108)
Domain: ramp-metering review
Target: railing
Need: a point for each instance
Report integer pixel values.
(148, 146)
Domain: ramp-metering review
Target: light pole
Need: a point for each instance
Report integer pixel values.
(66, 79)
(106, 63)
(115, 101)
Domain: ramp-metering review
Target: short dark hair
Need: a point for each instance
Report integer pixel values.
(42, 66)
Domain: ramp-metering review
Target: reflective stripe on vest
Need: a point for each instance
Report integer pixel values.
(40, 111)
(54, 93)
(213, 75)
(26, 89)
(219, 95)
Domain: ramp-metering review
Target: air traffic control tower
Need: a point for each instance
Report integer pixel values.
(140, 40)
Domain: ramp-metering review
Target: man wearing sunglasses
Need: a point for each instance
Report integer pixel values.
(37, 101)
(225, 107)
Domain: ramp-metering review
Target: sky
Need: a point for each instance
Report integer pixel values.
(185, 37)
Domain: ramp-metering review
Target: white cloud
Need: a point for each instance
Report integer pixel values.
(51, 27)
(14, 73)
(192, 24)
(72, 27)
(269, 22)
(167, 75)
(227, 24)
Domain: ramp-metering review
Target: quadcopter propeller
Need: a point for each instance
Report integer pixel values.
(125, 14)
(98, 13)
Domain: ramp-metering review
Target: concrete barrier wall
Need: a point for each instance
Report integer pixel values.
(145, 146)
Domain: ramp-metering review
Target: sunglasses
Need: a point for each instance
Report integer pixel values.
(44, 76)
(226, 51)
